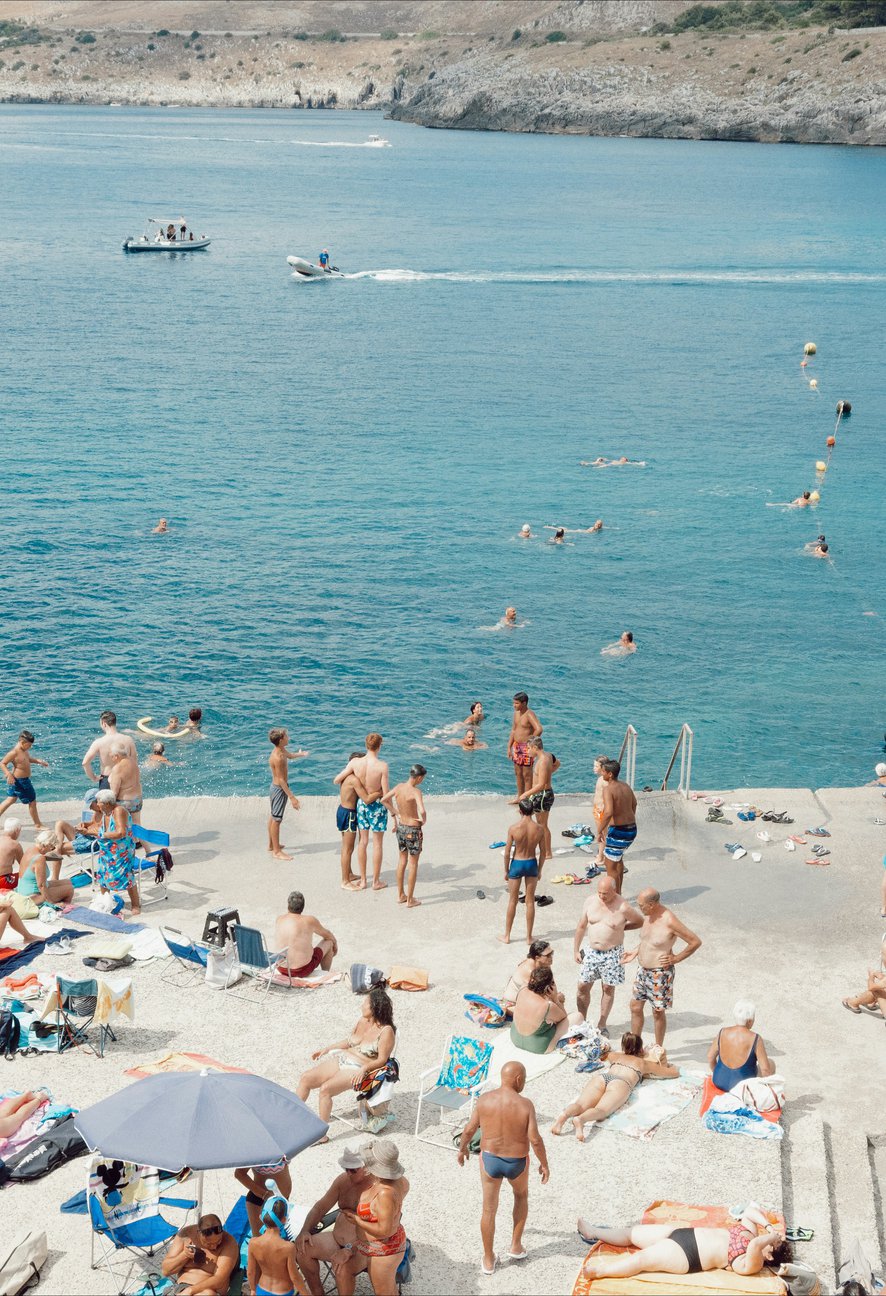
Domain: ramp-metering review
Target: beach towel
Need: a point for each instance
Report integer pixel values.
(401, 977)
(467, 1064)
(12, 958)
(182, 1062)
(115, 999)
(490, 1013)
(741, 1121)
(710, 1092)
(715, 1282)
(102, 922)
(308, 982)
(536, 1064)
(652, 1103)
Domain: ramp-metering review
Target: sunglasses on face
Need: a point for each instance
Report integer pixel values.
(211, 1232)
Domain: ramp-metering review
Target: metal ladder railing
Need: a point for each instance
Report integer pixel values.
(683, 749)
(627, 757)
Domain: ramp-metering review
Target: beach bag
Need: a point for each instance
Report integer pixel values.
(364, 978)
(490, 1013)
(404, 1268)
(407, 978)
(10, 1033)
(21, 1263)
(222, 966)
(759, 1094)
(165, 864)
(58, 1144)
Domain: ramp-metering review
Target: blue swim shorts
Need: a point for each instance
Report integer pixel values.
(373, 816)
(522, 869)
(346, 820)
(618, 839)
(23, 790)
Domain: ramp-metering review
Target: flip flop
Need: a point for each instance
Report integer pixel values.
(524, 1255)
(756, 856)
(544, 901)
(747, 816)
(563, 850)
(801, 841)
(818, 832)
(820, 851)
(764, 836)
(790, 844)
(800, 1234)
(489, 1272)
(496, 845)
(820, 862)
(739, 853)
(847, 1004)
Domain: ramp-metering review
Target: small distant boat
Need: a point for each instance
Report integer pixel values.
(308, 270)
(377, 141)
(169, 236)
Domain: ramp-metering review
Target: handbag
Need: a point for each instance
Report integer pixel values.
(22, 1262)
(222, 966)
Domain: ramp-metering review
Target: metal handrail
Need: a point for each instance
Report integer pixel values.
(629, 748)
(683, 748)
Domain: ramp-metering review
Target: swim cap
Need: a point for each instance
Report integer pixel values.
(526, 527)
(879, 770)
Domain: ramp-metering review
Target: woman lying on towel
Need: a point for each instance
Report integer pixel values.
(540, 955)
(665, 1249)
(610, 1089)
(539, 1018)
(346, 1063)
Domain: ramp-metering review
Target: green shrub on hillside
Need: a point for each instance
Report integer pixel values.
(517, 34)
(388, 34)
(853, 53)
(553, 37)
(184, 76)
(15, 33)
(85, 38)
(763, 15)
(331, 34)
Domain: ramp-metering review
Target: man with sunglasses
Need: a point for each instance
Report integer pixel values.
(202, 1258)
(334, 1245)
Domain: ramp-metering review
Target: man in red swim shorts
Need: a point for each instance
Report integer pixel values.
(295, 932)
(526, 725)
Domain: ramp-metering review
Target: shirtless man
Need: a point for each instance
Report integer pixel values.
(618, 824)
(622, 647)
(406, 804)
(161, 528)
(10, 854)
(654, 983)
(599, 947)
(525, 725)
(124, 778)
(272, 1266)
(295, 932)
(510, 617)
(280, 791)
(372, 817)
(203, 1257)
(468, 743)
(18, 778)
(540, 794)
(508, 1126)
(337, 1243)
(349, 790)
(100, 749)
(524, 855)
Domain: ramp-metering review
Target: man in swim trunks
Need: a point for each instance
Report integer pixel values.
(10, 854)
(124, 778)
(525, 725)
(334, 1245)
(540, 793)
(524, 855)
(280, 791)
(295, 932)
(407, 805)
(19, 776)
(100, 750)
(372, 817)
(599, 946)
(202, 1258)
(618, 824)
(654, 983)
(508, 1127)
(349, 790)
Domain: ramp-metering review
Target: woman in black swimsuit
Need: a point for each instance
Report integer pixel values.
(610, 1089)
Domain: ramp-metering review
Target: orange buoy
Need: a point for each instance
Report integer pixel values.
(831, 442)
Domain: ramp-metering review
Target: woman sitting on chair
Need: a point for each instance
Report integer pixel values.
(539, 1018)
(665, 1249)
(368, 1047)
(117, 868)
(606, 1092)
(381, 1237)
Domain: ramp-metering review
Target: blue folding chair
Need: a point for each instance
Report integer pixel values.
(255, 961)
(124, 1203)
(151, 837)
(188, 959)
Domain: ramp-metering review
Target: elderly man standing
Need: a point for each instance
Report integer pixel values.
(334, 1245)
(508, 1127)
(654, 982)
(101, 750)
(599, 946)
(124, 778)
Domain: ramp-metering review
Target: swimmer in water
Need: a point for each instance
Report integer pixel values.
(468, 743)
(802, 501)
(525, 532)
(161, 528)
(195, 720)
(624, 646)
(623, 462)
(559, 536)
(173, 725)
(157, 757)
(815, 544)
(821, 550)
(598, 526)
(510, 617)
(476, 717)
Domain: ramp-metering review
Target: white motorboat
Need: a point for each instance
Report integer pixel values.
(308, 270)
(377, 141)
(167, 236)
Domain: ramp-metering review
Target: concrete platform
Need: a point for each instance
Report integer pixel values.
(793, 938)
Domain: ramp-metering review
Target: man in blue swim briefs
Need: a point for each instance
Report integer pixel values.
(618, 825)
(524, 856)
(508, 1126)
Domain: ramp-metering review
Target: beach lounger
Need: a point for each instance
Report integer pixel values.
(461, 1077)
(256, 962)
(128, 1230)
(188, 965)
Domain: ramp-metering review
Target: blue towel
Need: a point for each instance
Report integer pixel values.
(75, 1205)
(104, 922)
(742, 1121)
(25, 956)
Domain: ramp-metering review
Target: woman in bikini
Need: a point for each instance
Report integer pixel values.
(540, 955)
(607, 1092)
(347, 1062)
(539, 1020)
(381, 1238)
(664, 1249)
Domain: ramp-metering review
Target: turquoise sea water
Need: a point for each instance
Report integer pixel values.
(345, 465)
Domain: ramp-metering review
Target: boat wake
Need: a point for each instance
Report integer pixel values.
(667, 277)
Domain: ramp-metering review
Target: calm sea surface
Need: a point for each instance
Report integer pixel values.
(345, 465)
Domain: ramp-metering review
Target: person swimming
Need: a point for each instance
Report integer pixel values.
(525, 532)
(559, 536)
(621, 462)
(510, 617)
(622, 647)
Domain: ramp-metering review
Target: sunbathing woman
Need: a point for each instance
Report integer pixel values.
(665, 1249)
(539, 1019)
(541, 952)
(368, 1047)
(16, 1110)
(10, 918)
(609, 1090)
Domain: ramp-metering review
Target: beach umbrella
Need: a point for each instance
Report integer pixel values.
(204, 1120)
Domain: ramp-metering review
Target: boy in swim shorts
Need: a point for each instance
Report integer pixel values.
(19, 776)
(349, 790)
(408, 808)
(280, 791)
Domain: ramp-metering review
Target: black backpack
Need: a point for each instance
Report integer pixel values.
(10, 1033)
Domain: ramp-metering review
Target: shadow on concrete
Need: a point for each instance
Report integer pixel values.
(796, 1108)
(462, 1278)
(683, 894)
(197, 837)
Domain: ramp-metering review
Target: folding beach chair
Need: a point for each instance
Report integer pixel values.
(75, 1013)
(256, 962)
(151, 837)
(128, 1230)
(462, 1075)
(327, 1274)
(188, 965)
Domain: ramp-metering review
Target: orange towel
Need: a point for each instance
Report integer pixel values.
(710, 1092)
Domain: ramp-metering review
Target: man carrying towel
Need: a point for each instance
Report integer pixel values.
(618, 825)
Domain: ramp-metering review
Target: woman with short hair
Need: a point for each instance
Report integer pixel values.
(738, 1054)
(117, 864)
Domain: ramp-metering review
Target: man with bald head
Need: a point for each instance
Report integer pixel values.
(508, 1127)
(654, 983)
(599, 946)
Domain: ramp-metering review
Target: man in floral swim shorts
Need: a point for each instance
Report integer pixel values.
(526, 725)
(654, 983)
(372, 815)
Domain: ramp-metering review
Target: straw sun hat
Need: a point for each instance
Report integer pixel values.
(382, 1159)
